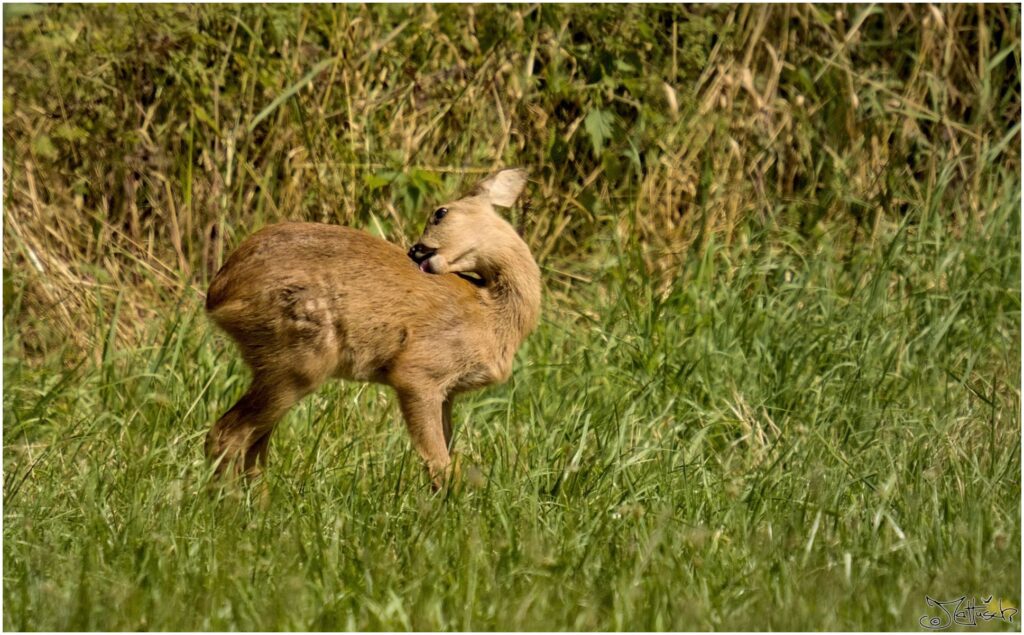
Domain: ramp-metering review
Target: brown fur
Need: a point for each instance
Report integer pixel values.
(306, 302)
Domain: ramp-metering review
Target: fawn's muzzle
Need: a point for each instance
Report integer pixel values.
(420, 252)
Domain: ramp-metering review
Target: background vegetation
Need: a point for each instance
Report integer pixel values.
(777, 380)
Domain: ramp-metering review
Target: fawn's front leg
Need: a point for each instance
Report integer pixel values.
(446, 421)
(424, 416)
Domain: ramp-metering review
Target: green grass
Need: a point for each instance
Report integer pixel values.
(776, 441)
(777, 380)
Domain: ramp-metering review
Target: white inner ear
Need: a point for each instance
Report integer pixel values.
(504, 187)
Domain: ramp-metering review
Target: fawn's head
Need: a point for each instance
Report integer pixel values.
(467, 235)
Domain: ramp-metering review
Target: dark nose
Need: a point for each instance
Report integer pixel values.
(420, 252)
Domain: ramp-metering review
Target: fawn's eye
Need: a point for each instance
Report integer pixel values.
(439, 214)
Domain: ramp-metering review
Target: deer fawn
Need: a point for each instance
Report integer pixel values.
(308, 301)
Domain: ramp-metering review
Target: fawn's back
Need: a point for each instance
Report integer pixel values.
(313, 300)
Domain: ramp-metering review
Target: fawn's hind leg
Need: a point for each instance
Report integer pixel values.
(241, 437)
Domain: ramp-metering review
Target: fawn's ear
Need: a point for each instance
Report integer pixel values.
(503, 188)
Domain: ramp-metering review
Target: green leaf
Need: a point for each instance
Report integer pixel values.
(598, 125)
(205, 117)
(70, 132)
(426, 177)
(377, 181)
(43, 146)
(623, 65)
(19, 9)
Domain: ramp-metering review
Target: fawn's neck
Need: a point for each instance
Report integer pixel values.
(513, 281)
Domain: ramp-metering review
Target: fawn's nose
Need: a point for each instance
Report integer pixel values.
(420, 252)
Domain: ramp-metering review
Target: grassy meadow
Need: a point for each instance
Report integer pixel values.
(776, 383)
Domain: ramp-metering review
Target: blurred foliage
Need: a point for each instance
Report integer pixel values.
(143, 142)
